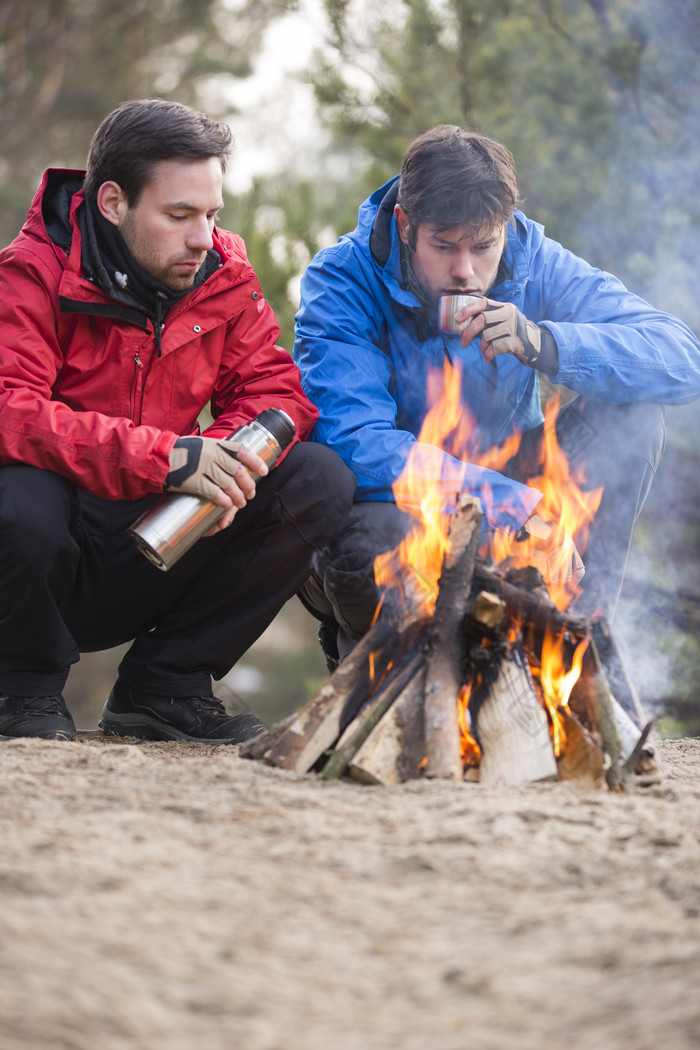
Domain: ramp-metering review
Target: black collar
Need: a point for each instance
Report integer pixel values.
(107, 260)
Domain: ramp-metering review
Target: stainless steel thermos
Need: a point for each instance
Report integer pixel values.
(177, 520)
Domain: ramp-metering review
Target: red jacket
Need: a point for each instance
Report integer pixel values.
(82, 391)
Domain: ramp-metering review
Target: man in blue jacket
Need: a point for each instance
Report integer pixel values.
(368, 339)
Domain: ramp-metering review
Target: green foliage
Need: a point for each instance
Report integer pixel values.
(279, 220)
(599, 103)
(64, 64)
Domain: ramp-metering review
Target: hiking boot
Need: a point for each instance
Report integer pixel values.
(200, 719)
(328, 637)
(46, 717)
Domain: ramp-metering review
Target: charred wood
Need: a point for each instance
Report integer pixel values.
(530, 607)
(319, 724)
(395, 751)
(384, 696)
(510, 724)
(443, 677)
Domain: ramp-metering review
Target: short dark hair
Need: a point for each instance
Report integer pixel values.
(451, 176)
(139, 133)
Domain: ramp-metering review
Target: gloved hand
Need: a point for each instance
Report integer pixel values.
(551, 551)
(508, 331)
(214, 469)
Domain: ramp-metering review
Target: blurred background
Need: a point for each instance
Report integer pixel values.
(599, 101)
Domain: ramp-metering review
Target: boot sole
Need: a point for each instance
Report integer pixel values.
(147, 729)
(35, 736)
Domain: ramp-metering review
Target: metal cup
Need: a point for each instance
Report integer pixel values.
(177, 520)
(448, 306)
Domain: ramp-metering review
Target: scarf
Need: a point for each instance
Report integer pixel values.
(110, 264)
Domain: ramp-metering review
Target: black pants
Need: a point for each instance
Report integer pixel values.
(619, 448)
(72, 579)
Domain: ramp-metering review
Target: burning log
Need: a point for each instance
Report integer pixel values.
(358, 731)
(395, 751)
(581, 760)
(443, 679)
(320, 723)
(528, 607)
(511, 726)
(594, 703)
(599, 701)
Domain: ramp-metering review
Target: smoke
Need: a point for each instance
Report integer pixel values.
(657, 625)
(645, 227)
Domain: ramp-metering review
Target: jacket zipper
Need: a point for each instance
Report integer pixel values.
(137, 389)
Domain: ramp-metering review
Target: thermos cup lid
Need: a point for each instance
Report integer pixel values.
(277, 423)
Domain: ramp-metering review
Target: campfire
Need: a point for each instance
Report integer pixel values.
(473, 668)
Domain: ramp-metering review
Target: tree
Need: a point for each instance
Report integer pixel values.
(64, 64)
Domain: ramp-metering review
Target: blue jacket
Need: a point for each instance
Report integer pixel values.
(365, 347)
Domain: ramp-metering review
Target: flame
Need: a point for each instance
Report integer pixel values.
(414, 566)
(471, 752)
(556, 682)
(565, 504)
(372, 663)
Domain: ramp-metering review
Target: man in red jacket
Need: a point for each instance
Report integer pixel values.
(124, 312)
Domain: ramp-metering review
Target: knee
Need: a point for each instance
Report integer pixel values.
(36, 508)
(349, 581)
(637, 429)
(316, 491)
(642, 430)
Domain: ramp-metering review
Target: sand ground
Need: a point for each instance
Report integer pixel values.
(177, 896)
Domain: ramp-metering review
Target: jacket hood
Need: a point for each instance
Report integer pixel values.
(49, 215)
(380, 238)
(60, 186)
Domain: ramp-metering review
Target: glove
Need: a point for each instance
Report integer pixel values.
(551, 551)
(508, 331)
(204, 466)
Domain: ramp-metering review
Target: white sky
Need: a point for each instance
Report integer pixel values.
(276, 117)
